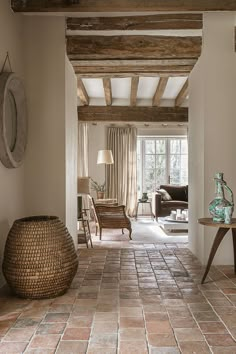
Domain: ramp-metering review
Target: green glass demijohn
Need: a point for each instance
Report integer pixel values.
(220, 206)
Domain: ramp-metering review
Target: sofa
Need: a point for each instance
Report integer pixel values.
(179, 200)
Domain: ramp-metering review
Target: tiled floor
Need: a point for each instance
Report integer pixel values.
(144, 299)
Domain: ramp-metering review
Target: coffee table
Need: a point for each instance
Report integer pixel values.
(172, 225)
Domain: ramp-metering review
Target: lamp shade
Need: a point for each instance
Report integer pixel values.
(83, 185)
(105, 156)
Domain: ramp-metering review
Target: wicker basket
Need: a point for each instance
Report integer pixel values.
(40, 260)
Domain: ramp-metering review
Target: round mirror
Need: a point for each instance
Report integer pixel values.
(13, 122)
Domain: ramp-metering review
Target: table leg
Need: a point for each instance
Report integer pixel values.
(218, 238)
(234, 244)
(136, 216)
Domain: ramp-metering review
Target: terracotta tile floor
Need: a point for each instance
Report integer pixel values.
(140, 299)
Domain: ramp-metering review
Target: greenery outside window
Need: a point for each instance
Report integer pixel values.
(161, 160)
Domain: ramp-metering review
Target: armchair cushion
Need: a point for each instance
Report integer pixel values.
(164, 194)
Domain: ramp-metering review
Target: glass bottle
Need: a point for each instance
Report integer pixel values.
(219, 203)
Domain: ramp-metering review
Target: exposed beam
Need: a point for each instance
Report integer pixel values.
(182, 95)
(107, 91)
(133, 47)
(129, 68)
(132, 114)
(121, 5)
(117, 75)
(134, 90)
(82, 93)
(147, 22)
(159, 91)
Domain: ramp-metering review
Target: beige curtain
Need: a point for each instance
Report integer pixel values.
(83, 146)
(121, 177)
(83, 150)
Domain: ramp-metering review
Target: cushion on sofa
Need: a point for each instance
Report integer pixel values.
(164, 195)
(176, 192)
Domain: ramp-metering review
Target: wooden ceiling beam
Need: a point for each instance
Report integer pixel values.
(121, 5)
(147, 22)
(133, 47)
(182, 94)
(159, 91)
(117, 75)
(134, 90)
(82, 93)
(132, 114)
(107, 91)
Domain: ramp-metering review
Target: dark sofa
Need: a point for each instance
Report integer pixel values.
(179, 195)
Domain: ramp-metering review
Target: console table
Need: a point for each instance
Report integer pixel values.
(222, 230)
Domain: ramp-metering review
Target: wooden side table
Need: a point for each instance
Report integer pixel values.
(84, 236)
(222, 230)
(150, 205)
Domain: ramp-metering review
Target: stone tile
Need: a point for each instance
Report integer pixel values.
(131, 322)
(221, 340)
(212, 328)
(164, 350)
(225, 350)
(188, 335)
(156, 316)
(72, 347)
(161, 340)
(132, 347)
(101, 350)
(12, 347)
(19, 335)
(76, 334)
(45, 341)
(40, 351)
(131, 311)
(194, 347)
(159, 327)
(25, 323)
(105, 327)
(56, 317)
(206, 316)
(132, 334)
(106, 316)
(103, 341)
(183, 323)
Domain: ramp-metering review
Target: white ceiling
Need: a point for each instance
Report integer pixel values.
(146, 89)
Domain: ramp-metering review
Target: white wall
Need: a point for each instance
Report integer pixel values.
(45, 87)
(71, 150)
(12, 180)
(212, 126)
(97, 141)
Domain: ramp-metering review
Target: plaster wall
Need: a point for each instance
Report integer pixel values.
(212, 129)
(12, 180)
(45, 180)
(71, 120)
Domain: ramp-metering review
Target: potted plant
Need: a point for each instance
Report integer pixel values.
(99, 188)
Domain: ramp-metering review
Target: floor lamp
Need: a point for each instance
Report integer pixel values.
(106, 157)
(83, 189)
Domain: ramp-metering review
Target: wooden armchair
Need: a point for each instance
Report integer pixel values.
(111, 217)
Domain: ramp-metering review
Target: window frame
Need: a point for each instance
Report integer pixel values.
(142, 139)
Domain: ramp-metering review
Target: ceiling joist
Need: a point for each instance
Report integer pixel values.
(132, 114)
(121, 5)
(133, 47)
(129, 23)
(159, 91)
(82, 93)
(182, 94)
(134, 90)
(107, 91)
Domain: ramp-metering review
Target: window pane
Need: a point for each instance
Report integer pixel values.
(160, 146)
(184, 146)
(138, 146)
(150, 147)
(175, 169)
(149, 161)
(175, 146)
(149, 180)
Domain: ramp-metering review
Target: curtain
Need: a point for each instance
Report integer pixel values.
(83, 150)
(121, 177)
(83, 146)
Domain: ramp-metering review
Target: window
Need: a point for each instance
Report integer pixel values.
(161, 160)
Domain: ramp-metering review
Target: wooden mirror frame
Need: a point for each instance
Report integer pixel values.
(11, 84)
